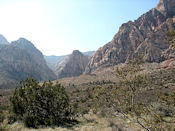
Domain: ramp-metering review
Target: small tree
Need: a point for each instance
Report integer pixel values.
(131, 81)
(40, 104)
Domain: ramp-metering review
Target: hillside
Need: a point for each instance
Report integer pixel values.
(20, 60)
(126, 85)
(99, 114)
(73, 65)
(146, 35)
(53, 61)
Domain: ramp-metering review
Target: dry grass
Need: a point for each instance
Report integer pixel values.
(92, 122)
(89, 122)
(80, 89)
(107, 74)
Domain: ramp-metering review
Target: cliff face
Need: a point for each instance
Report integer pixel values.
(73, 65)
(145, 35)
(166, 7)
(20, 60)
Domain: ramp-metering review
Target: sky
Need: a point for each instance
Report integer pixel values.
(57, 27)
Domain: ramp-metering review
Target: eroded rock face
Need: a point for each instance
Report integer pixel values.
(145, 35)
(37, 60)
(73, 65)
(20, 60)
(166, 7)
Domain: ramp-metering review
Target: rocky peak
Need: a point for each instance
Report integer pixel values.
(73, 65)
(145, 35)
(76, 52)
(29, 47)
(20, 60)
(21, 39)
(23, 43)
(3, 40)
(166, 7)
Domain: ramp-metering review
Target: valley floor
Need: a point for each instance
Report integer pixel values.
(81, 90)
(89, 122)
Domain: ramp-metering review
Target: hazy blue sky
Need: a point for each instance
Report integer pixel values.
(56, 27)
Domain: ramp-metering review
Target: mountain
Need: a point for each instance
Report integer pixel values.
(54, 61)
(3, 40)
(147, 35)
(166, 7)
(20, 60)
(73, 65)
(88, 53)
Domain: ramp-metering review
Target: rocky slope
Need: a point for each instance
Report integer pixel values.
(73, 65)
(20, 60)
(54, 61)
(145, 35)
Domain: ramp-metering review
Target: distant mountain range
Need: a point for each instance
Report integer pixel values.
(21, 59)
(147, 35)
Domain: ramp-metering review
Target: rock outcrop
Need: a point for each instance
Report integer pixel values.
(166, 7)
(147, 35)
(73, 65)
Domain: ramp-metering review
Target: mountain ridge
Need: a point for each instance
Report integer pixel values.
(19, 60)
(166, 7)
(145, 35)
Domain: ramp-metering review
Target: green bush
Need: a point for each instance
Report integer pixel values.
(40, 104)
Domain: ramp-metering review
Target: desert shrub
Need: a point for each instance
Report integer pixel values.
(171, 35)
(1, 117)
(2, 109)
(171, 38)
(40, 104)
(150, 116)
(167, 101)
